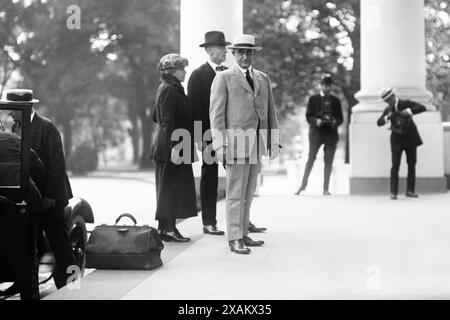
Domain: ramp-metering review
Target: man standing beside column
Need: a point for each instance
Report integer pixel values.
(324, 115)
(404, 137)
(199, 88)
(244, 127)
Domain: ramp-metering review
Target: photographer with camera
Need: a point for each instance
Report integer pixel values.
(324, 115)
(404, 137)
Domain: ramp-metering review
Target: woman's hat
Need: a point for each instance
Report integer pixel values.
(214, 38)
(172, 61)
(244, 41)
(19, 96)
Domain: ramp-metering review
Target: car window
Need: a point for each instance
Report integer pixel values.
(10, 148)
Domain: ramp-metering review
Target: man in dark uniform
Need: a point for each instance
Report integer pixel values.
(404, 137)
(18, 256)
(324, 115)
(55, 191)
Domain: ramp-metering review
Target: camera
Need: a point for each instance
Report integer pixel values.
(327, 119)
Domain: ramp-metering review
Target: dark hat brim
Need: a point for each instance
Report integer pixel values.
(244, 47)
(222, 44)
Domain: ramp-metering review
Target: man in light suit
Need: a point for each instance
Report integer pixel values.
(244, 127)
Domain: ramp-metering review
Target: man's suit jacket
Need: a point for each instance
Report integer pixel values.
(199, 91)
(46, 141)
(236, 108)
(314, 112)
(411, 138)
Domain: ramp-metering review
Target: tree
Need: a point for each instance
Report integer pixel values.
(58, 62)
(437, 19)
(11, 36)
(302, 40)
(137, 33)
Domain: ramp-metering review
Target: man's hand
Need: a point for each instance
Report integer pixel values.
(388, 116)
(319, 122)
(221, 154)
(49, 203)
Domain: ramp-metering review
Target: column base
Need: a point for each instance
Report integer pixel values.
(381, 185)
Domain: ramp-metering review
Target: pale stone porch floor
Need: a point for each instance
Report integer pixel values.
(339, 247)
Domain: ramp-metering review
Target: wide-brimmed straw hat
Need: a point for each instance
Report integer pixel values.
(244, 41)
(386, 93)
(19, 96)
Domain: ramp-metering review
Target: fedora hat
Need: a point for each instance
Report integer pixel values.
(214, 38)
(244, 41)
(327, 79)
(386, 93)
(19, 96)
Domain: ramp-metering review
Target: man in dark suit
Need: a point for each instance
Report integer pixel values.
(404, 137)
(199, 88)
(56, 192)
(324, 115)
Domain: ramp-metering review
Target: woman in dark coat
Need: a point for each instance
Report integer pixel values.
(175, 188)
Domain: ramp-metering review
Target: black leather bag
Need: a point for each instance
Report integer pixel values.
(124, 247)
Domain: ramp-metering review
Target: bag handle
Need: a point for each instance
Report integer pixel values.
(126, 215)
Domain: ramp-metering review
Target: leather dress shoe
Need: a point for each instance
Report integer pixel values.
(173, 236)
(410, 194)
(254, 229)
(238, 246)
(249, 242)
(213, 230)
(393, 196)
(326, 193)
(299, 191)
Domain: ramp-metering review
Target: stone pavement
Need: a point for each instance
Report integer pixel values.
(339, 247)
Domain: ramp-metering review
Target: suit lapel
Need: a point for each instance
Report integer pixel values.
(209, 71)
(256, 81)
(34, 123)
(241, 79)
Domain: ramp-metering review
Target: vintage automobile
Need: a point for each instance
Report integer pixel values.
(77, 213)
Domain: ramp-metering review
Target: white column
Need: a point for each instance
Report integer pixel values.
(196, 18)
(393, 54)
(200, 16)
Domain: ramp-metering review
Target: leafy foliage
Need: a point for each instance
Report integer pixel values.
(92, 80)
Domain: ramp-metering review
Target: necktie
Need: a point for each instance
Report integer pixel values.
(249, 79)
(220, 68)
